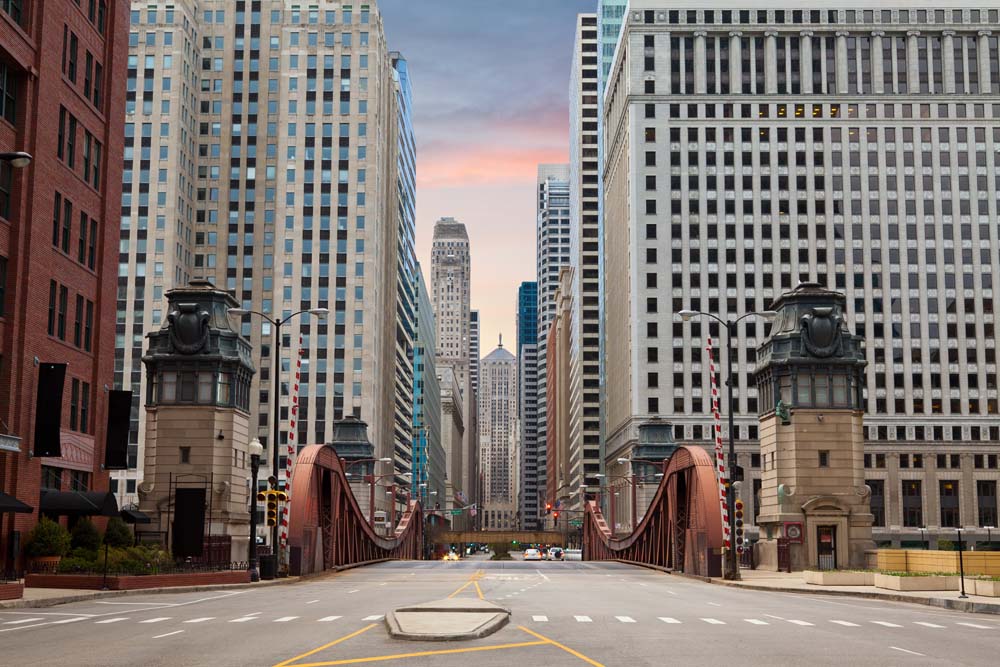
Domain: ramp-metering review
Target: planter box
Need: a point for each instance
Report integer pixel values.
(985, 587)
(95, 582)
(933, 583)
(11, 591)
(839, 578)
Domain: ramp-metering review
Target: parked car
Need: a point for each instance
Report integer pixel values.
(573, 554)
(555, 553)
(532, 554)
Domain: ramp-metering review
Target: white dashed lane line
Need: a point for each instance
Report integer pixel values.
(175, 632)
(119, 619)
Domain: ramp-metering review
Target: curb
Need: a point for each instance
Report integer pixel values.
(942, 603)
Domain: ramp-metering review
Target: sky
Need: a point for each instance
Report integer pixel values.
(491, 94)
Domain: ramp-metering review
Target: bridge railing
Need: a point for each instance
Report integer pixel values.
(681, 530)
(327, 529)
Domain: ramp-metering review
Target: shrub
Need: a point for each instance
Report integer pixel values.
(85, 535)
(118, 534)
(48, 539)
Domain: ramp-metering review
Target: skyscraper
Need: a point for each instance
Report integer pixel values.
(498, 439)
(552, 239)
(474, 349)
(235, 182)
(429, 459)
(62, 73)
(527, 401)
(854, 148)
(584, 327)
(451, 293)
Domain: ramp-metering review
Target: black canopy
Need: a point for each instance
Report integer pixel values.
(79, 503)
(135, 516)
(12, 504)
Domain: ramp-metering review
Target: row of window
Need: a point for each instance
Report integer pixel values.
(942, 461)
(62, 230)
(9, 89)
(66, 148)
(79, 407)
(52, 478)
(93, 70)
(58, 313)
(816, 16)
(949, 502)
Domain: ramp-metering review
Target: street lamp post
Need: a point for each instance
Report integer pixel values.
(256, 451)
(321, 313)
(732, 569)
(17, 159)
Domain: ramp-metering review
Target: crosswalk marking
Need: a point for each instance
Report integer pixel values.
(23, 620)
(887, 624)
(244, 619)
(156, 620)
(376, 617)
(667, 619)
(713, 621)
(979, 627)
(201, 620)
(847, 624)
(112, 620)
(285, 619)
(625, 619)
(799, 622)
(540, 619)
(583, 619)
(756, 621)
(928, 625)
(327, 619)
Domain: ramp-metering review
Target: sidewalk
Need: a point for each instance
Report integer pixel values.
(784, 582)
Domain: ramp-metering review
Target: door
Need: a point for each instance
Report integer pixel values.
(826, 547)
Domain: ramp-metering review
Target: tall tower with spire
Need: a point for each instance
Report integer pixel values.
(499, 439)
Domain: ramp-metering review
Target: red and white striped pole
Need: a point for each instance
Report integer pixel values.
(293, 417)
(720, 458)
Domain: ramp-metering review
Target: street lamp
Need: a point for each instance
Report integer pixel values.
(17, 159)
(732, 570)
(321, 313)
(256, 451)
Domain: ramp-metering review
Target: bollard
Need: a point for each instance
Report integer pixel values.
(961, 564)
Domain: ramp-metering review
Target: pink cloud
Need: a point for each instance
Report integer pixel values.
(487, 166)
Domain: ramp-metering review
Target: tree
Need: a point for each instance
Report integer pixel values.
(85, 535)
(48, 539)
(118, 533)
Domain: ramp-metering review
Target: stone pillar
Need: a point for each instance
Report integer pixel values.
(700, 71)
(948, 62)
(771, 63)
(983, 55)
(878, 78)
(809, 383)
(736, 63)
(842, 82)
(805, 61)
(913, 62)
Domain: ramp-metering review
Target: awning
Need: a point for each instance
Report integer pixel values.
(79, 503)
(135, 516)
(12, 504)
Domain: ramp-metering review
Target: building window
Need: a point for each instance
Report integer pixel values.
(3, 284)
(61, 315)
(185, 455)
(79, 480)
(51, 478)
(877, 501)
(74, 404)
(74, 43)
(53, 288)
(949, 503)
(913, 513)
(78, 322)
(6, 185)
(986, 494)
(824, 459)
(8, 93)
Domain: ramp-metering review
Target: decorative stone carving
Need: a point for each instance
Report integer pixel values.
(821, 332)
(188, 328)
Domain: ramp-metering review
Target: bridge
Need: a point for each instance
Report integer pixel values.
(498, 537)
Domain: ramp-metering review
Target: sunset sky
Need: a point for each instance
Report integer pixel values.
(491, 87)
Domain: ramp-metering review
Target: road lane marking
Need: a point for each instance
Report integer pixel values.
(327, 619)
(354, 591)
(756, 621)
(175, 632)
(422, 654)
(244, 619)
(667, 619)
(326, 646)
(775, 617)
(479, 591)
(846, 624)
(376, 617)
(887, 624)
(65, 620)
(285, 619)
(625, 619)
(978, 627)
(928, 625)
(23, 620)
(715, 604)
(540, 619)
(201, 620)
(543, 575)
(156, 620)
(896, 648)
(576, 654)
(312, 602)
(713, 621)
(804, 622)
(583, 619)
(112, 620)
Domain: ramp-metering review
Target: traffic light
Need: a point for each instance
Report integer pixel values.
(281, 496)
(272, 508)
(739, 526)
(261, 496)
(555, 517)
(548, 508)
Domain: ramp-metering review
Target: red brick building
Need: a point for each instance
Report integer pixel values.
(63, 70)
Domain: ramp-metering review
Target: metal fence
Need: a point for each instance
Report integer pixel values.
(143, 570)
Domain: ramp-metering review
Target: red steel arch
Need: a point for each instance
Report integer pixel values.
(682, 529)
(327, 529)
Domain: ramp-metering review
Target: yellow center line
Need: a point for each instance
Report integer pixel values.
(565, 648)
(475, 577)
(479, 590)
(422, 654)
(288, 662)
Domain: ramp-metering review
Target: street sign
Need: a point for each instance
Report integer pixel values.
(456, 512)
(576, 523)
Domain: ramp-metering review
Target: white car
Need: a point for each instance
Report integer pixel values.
(573, 554)
(532, 554)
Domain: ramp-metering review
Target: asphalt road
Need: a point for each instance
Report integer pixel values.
(567, 613)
